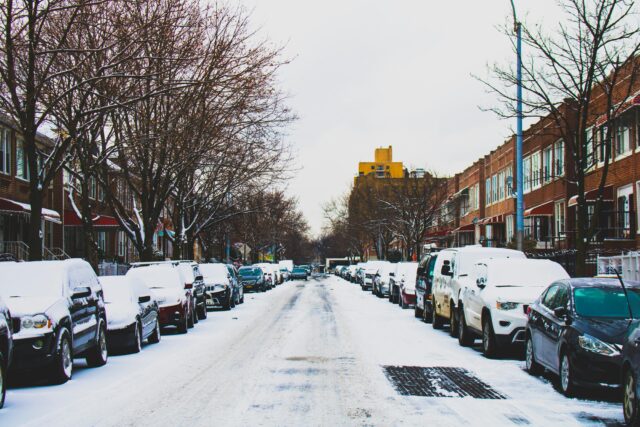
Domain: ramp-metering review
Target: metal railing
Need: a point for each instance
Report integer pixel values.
(20, 250)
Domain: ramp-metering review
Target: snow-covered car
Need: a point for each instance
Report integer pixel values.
(299, 274)
(351, 273)
(495, 308)
(382, 279)
(58, 314)
(168, 287)
(218, 286)
(370, 270)
(424, 287)
(132, 313)
(6, 348)
(401, 269)
(451, 276)
(252, 279)
(267, 271)
(407, 277)
(237, 285)
(191, 271)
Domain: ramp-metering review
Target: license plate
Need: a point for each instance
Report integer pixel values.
(209, 302)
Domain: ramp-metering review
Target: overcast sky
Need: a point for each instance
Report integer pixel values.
(376, 73)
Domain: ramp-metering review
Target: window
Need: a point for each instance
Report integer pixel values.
(100, 193)
(22, 165)
(589, 159)
(526, 174)
(547, 164)
(559, 217)
(501, 184)
(509, 227)
(487, 191)
(623, 142)
(559, 163)
(625, 196)
(509, 181)
(536, 175)
(102, 241)
(122, 243)
(5, 151)
(602, 143)
(92, 188)
(476, 198)
(494, 188)
(549, 296)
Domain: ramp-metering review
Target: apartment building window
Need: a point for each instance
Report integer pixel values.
(100, 193)
(5, 151)
(473, 198)
(122, 243)
(559, 163)
(602, 143)
(625, 195)
(494, 188)
(476, 197)
(547, 164)
(92, 188)
(509, 228)
(526, 174)
(509, 181)
(623, 142)
(501, 184)
(102, 241)
(487, 191)
(589, 159)
(22, 165)
(559, 217)
(536, 170)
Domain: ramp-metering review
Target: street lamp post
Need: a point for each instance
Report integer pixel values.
(519, 172)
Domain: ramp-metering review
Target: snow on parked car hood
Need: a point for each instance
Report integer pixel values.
(21, 306)
(214, 274)
(31, 279)
(524, 272)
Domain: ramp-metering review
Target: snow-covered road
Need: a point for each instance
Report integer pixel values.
(305, 353)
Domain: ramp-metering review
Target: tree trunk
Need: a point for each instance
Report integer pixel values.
(35, 226)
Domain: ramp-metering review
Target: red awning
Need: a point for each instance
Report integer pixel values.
(591, 196)
(635, 100)
(12, 206)
(545, 209)
(496, 219)
(439, 233)
(465, 228)
(72, 220)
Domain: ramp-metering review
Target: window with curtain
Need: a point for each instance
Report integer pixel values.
(623, 140)
(536, 170)
(547, 164)
(589, 153)
(526, 174)
(494, 188)
(487, 191)
(559, 158)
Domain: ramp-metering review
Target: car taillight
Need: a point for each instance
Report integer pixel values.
(528, 310)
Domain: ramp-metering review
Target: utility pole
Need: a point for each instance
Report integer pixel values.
(519, 172)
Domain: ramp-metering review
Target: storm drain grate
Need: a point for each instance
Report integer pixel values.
(439, 382)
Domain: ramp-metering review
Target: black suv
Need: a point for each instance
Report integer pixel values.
(424, 286)
(58, 314)
(6, 348)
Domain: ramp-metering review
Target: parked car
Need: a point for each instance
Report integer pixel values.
(6, 348)
(58, 314)
(401, 269)
(631, 368)
(299, 274)
(407, 297)
(382, 278)
(424, 287)
(132, 313)
(238, 289)
(269, 277)
(576, 330)
(193, 276)
(495, 307)
(219, 286)
(170, 291)
(370, 270)
(252, 279)
(451, 276)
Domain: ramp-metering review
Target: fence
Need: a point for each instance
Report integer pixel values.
(567, 259)
(112, 269)
(627, 265)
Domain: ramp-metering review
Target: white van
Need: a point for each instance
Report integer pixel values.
(452, 274)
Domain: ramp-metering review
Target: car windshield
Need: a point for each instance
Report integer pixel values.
(299, 270)
(247, 272)
(116, 290)
(30, 280)
(606, 302)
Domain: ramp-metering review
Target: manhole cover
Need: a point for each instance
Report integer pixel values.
(439, 382)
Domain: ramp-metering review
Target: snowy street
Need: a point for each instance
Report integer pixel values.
(306, 353)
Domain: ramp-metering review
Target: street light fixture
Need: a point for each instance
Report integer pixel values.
(519, 175)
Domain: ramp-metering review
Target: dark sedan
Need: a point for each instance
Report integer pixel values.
(299, 273)
(252, 279)
(576, 330)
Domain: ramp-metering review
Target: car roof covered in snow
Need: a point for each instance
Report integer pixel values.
(598, 282)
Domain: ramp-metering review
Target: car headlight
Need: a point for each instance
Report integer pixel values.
(500, 305)
(39, 321)
(594, 345)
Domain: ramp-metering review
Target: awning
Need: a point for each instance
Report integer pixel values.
(591, 196)
(545, 209)
(465, 228)
(72, 220)
(496, 219)
(439, 233)
(12, 206)
(463, 192)
(633, 101)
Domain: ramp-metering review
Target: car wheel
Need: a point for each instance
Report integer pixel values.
(402, 304)
(154, 338)
(630, 399)
(136, 340)
(191, 321)
(195, 311)
(62, 367)
(426, 316)
(566, 375)
(533, 367)
(465, 338)
(453, 325)
(98, 355)
(233, 300)
(183, 327)
(488, 338)
(202, 312)
(3, 380)
(436, 321)
(242, 298)
(417, 313)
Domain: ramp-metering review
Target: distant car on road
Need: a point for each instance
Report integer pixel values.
(219, 286)
(132, 313)
(58, 313)
(299, 273)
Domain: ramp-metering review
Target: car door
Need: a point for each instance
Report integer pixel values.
(421, 283)
(474, 297)
(541, 325)
(83, 309)
(147, 310)
(556, 327)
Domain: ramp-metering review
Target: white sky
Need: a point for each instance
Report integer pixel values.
(377, 73)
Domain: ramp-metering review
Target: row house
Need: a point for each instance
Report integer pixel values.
(470, 208)
(496, 227)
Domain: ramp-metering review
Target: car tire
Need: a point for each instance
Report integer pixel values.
(401, 302)
(436, 321)
(489, 348)
(417, 313)
(190, 319)
(98, 354)
(465, 337)
(533, 367)
(3, 380)
(453, 324)
(242, 298)
(195, 312)
(630, 398)
(426, 316)
(62, 366)
(156, 335)
(183, 327)
(135, 346)
(202, 312)
(566, 384)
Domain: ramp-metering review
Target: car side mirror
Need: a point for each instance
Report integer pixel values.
(188, 285)
(560, 312)
(144, 298)
(83, 292)
(480, 282)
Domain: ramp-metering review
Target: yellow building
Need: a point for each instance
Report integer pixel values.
(383, 166)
